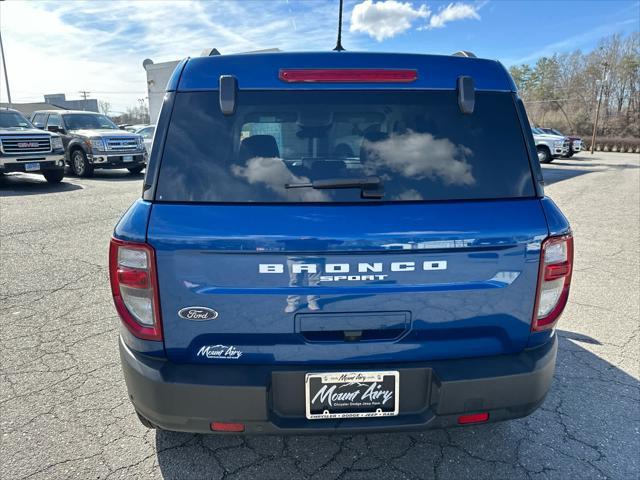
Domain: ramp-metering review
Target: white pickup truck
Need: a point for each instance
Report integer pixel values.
(550, 147)
(23, 148)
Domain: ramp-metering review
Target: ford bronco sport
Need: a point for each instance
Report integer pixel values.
(332, 242)
(93, 141)
(23, 148)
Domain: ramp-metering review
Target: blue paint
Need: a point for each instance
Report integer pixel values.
(133, 224)
(209, 255)
(434, 71)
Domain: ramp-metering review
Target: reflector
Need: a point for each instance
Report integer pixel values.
(227, 427)
(473, 418)
(133, 278)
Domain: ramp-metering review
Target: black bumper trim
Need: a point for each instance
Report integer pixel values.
(20, 167)
(115, 166)
(269, 399)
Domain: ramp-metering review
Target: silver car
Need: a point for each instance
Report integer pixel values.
(146, 133)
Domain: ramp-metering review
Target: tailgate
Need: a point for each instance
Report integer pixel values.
(391, 282)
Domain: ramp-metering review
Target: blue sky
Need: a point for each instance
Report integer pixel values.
(67, 46)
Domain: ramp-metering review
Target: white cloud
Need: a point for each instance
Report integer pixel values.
(385, 19)
(453, 12)
(65, 47)
(421, 155)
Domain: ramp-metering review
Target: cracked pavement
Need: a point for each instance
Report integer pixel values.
(64, 411)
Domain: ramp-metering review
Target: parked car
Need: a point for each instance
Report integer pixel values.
(93, 141)
(550, 147)
(134, 128)
(575, 145)
(274, 278)
(146, 132)
(23, 148)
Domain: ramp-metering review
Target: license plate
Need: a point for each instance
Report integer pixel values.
(352, 394)
(127, 158)
(32, 167)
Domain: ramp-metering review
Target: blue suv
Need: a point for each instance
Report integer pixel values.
(339, 242)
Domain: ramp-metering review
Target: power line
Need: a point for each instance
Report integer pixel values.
(557, 100)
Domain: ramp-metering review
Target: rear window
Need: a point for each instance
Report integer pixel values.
(417, 144)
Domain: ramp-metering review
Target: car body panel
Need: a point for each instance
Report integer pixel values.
(209, 256)
(433, 71)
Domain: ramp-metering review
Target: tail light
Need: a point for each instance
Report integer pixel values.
(134, 285)
(347, 75)
(554, 280)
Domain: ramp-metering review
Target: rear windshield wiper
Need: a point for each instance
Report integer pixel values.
(372, 187)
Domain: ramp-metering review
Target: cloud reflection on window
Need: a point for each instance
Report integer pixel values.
(420, 155)
(408, 196)
(274, 174)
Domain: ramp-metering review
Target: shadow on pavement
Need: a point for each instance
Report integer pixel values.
(587, 428)
(16, 184)
(19, 184)
(553, 175)
(558, 171)
(119, 175)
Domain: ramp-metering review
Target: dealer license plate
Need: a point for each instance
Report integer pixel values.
(32, 167)
(127, 158)
(352, 394)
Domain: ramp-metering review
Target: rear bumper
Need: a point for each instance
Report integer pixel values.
(269, 399)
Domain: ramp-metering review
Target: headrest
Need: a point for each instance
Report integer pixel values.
(370, 137)
(258, 146)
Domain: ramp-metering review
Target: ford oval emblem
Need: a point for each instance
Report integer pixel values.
(198, 313)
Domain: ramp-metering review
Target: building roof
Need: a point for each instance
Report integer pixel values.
(50, 110)
(262, 70)
(29, 108)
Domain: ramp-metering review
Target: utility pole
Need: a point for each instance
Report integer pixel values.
(595, 122)
(4, 67)
(84, 94)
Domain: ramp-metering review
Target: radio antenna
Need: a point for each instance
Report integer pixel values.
(339, 47)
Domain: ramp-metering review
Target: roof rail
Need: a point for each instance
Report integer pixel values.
(464, 53)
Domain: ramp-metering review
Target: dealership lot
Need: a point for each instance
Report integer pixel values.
(64, 411)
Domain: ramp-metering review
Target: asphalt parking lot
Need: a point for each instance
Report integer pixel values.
(64, 411)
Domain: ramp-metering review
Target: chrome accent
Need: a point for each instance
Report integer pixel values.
(121, 143)
(25, 144)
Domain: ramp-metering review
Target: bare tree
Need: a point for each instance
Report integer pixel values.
(105, 107)
(560, 91)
